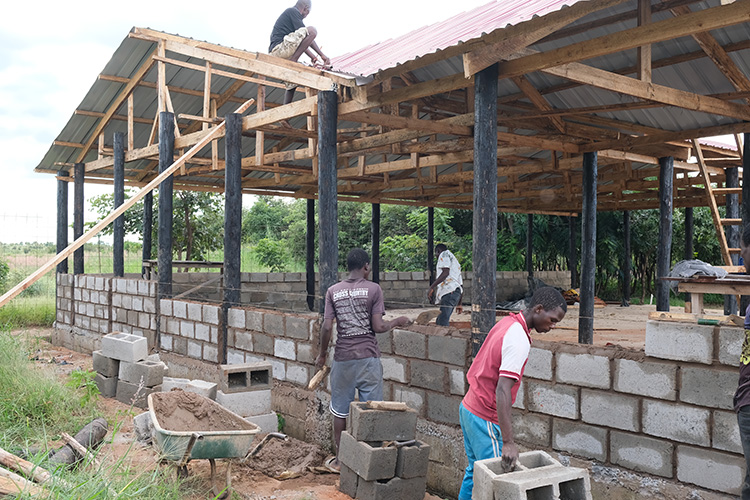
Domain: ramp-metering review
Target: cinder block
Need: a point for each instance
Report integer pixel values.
(579, 439)
(348, 480)
(236, 318)
(385, 343)
(298, 327)
(610, 409)
(205, 389)
(369, 462)
(170, 383)
(268, 422)
(726, 432)
(585, 370)
(105, 366)
(532, 429)
(246, 404)
(403, 489)
(107, 385)
(143, 427)
(710, 387)
(245, 377)
(284, 348)
(413, 397)
(366, 424)
(134, 394)
(646, 378)
(451, 350)
(413, 460)
(542, 478)
(552, 399)
(428, 375)
(458, 382)
(642, 454)
(273, 324)
(150, 372)
(394, 369)
(443, 409)
(125, 347)
(710, 469)
(409, 344)
(730, 345)
(680, 341)
(539, 364)
(677, 422)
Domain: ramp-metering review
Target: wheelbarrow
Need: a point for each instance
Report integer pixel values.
(183, 446)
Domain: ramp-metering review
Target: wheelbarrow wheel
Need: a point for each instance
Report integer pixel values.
(221, 493)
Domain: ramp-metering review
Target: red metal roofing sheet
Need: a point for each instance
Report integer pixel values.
(459, 28)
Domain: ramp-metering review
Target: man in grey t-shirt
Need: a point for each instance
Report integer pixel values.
(357, 305)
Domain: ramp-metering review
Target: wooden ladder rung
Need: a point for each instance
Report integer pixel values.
(726, 190)
(731, 222)
(733, 250)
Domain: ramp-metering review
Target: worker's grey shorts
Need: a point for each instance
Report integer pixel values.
(288, 47)
(364, 375)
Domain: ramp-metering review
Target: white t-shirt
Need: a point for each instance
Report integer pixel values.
(453, 280)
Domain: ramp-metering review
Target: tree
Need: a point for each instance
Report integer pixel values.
(104, 205)
(264, 219)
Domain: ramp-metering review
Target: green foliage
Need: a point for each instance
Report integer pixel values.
(24, 312)
(281, 422)
(83, 382)
(403, 253)
(4, 272)
(271, 253)
(33, 403)
(265, 219)
(104, 205)
(198, 224)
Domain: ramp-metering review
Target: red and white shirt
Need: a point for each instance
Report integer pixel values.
(504, 354)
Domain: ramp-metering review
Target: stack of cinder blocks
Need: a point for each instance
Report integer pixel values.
(245, 389)
(125, 371)
(380, 457)
(538, 476)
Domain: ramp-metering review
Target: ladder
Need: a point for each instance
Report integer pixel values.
(711, 193)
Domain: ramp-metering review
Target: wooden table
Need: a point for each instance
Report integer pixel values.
(733, 284)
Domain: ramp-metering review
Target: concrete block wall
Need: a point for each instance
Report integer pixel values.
(134, 307)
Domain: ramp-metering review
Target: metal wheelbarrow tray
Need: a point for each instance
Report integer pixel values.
(183, 446)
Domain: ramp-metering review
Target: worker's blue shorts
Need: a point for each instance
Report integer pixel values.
(364, 375)
(482, 440)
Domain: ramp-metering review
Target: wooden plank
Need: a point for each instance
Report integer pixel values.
(131, 135)
(714, 287)
(643, 62)
(712, 205)
(436, 126)
(78, 243)
(686, 25)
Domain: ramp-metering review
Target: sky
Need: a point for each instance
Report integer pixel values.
(52, 52)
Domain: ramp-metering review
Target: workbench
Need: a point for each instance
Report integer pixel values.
(696, 286)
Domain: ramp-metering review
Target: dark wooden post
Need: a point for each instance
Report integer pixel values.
(166, 158)
(732, 232)
(78, 170)
(483, 293)
(573, 252)
(232, 224)
(310, 254)
(689, 231)
(530, 244)
(118, 241)
(664, 248)
(745, 185)
(626, 259)
(148, 222)
(327, 191)
(431, 243)
(62, 219)
(375, 242)
(588, 249)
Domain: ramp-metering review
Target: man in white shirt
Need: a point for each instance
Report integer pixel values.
(449, 284)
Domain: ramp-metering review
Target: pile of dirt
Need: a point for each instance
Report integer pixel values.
(187, 412)
(278, 456)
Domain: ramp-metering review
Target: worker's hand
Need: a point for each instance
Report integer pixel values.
(320, 361)
(510, 456)
(430, 295)
(401, 321)
(459, 308)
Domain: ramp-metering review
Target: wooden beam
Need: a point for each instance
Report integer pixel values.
(643, 62)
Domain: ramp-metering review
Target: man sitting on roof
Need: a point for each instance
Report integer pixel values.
(290, 38)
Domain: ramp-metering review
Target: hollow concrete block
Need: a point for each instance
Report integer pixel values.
(125, 347)
(366, 424)
(245, 377)
(369, 462)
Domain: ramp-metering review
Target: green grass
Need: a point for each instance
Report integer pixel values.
(36, 407)
(24, 312)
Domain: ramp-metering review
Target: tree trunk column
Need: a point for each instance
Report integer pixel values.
(310, 254)
(148, 222)
(164, 252)
(483, 294)
(664, 249)
(78, 170)
(573, 253)
(626, 259)
(327, 191)
(732, 232)
(118, 241)
(375, 242)
(530, 245)
(62, 219)
(588, 249)
(232, 224)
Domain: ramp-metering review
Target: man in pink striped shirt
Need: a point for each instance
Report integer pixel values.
(494, 378)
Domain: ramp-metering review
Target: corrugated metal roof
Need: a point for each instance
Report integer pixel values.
(459, 28)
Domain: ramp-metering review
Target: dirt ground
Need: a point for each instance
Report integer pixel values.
(257, 480)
